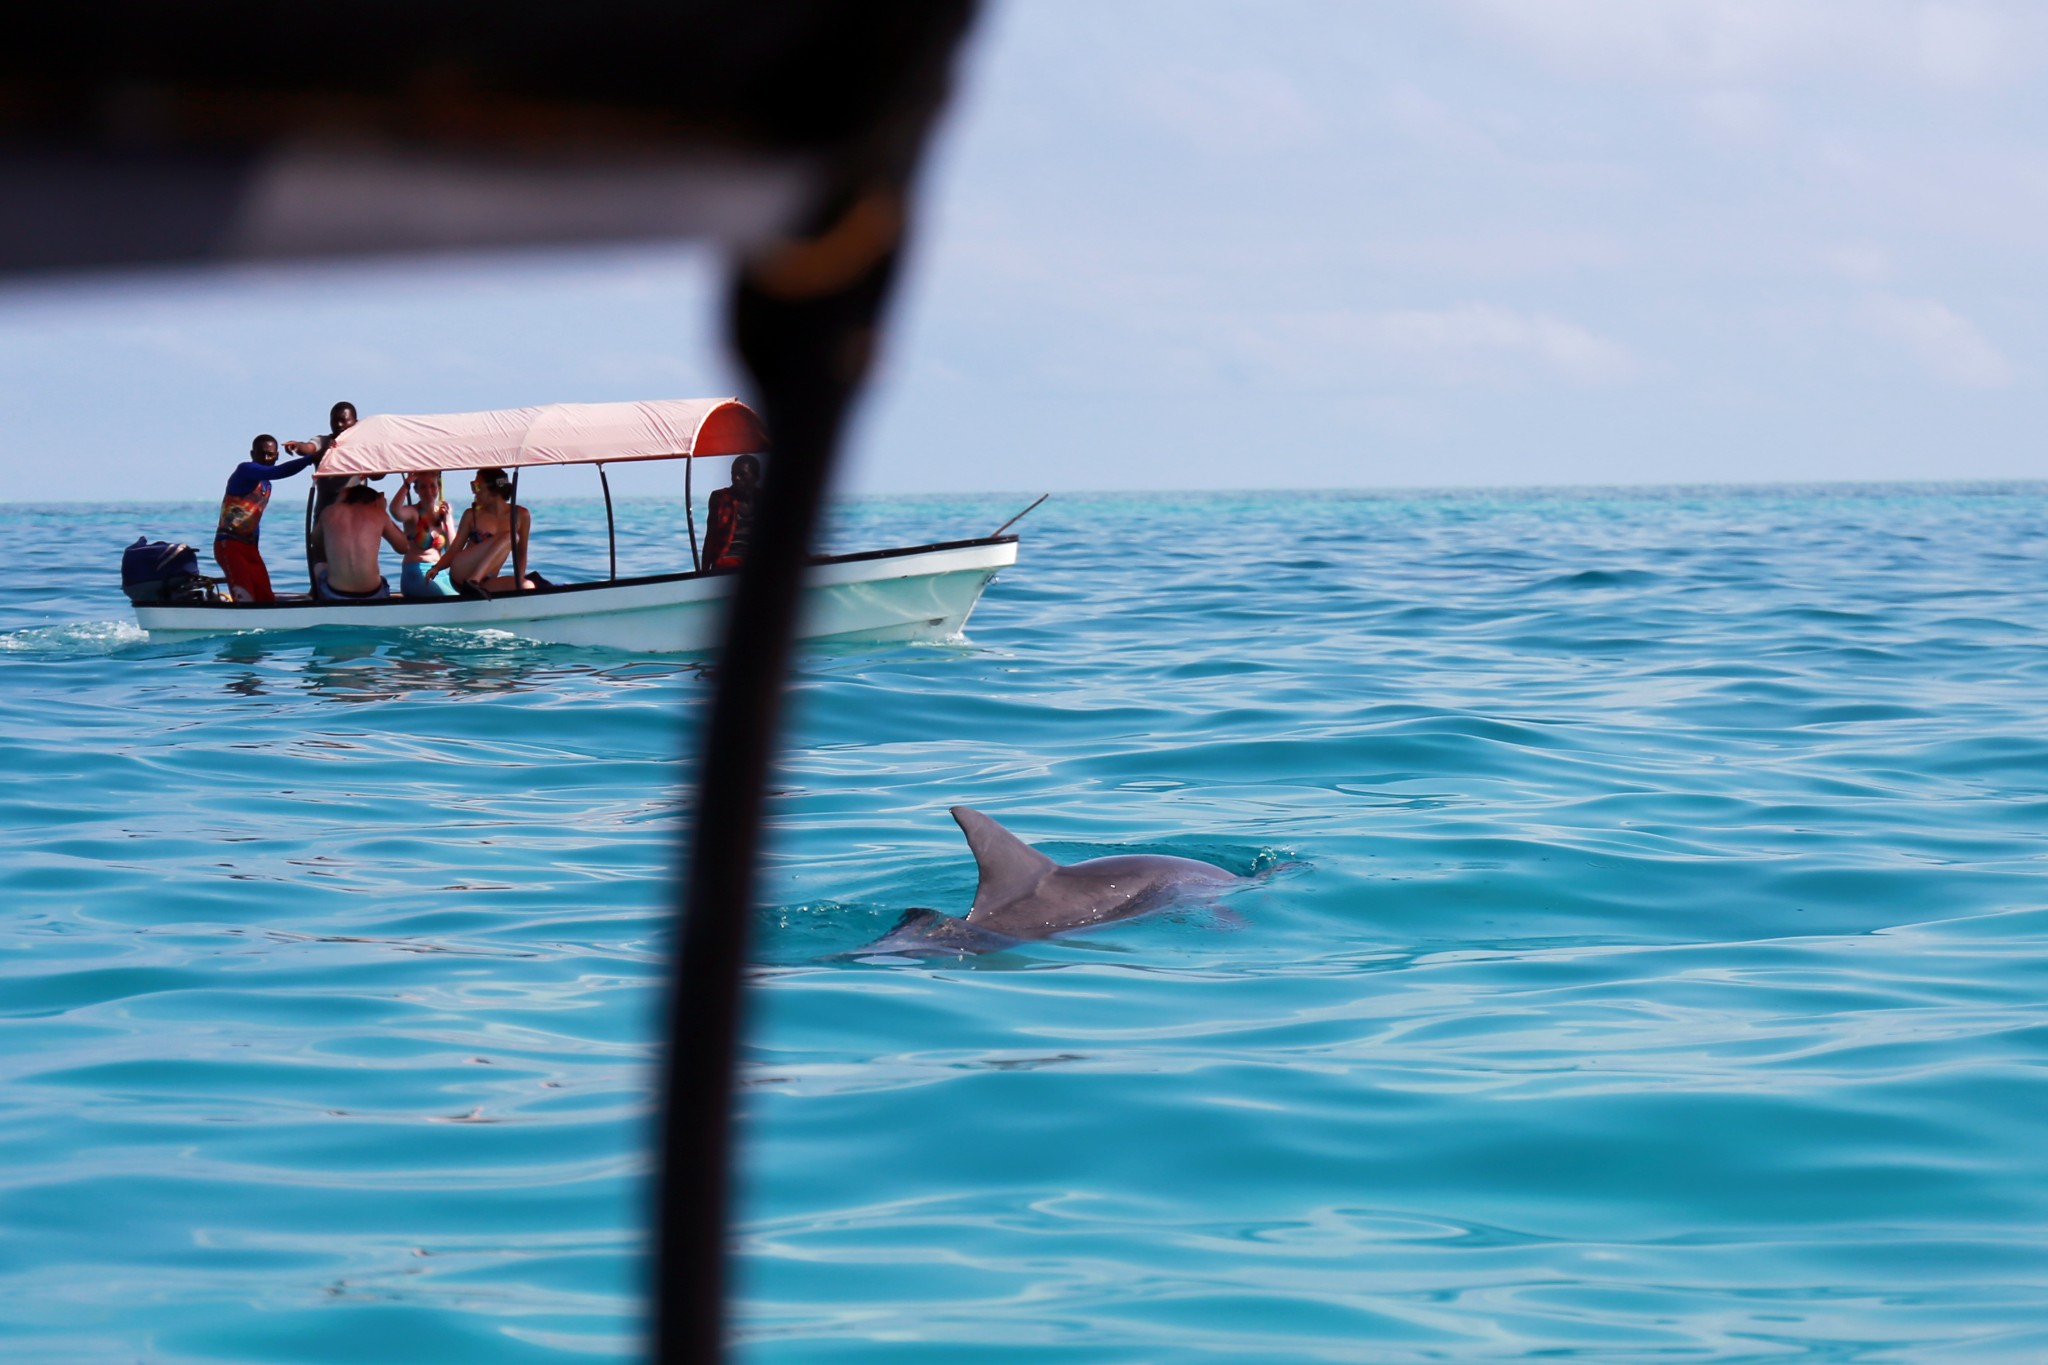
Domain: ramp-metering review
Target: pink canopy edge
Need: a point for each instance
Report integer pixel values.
(558, 433)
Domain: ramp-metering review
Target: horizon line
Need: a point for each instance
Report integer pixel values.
(1711, 485)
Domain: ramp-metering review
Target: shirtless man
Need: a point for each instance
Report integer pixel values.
(353, 530)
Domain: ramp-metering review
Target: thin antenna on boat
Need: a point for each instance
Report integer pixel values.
(1019, 517)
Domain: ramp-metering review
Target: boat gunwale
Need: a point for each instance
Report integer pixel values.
(558, 589)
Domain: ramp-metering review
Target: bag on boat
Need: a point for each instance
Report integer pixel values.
(155, 571)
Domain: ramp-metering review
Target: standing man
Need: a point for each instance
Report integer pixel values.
(340, 418)
(241, 519)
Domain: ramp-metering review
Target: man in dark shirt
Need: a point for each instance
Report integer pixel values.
(340, 418)
(731, 527)
(241, 519)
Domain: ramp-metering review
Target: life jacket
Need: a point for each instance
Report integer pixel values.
(742, 527)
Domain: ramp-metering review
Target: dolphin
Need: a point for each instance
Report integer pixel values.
(1022, 894)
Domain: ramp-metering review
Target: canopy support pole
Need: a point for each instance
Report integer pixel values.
(611, 533)
(690, 514)
(512, 532)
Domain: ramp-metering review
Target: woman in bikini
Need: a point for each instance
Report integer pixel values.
(428, 524)
(491, 531)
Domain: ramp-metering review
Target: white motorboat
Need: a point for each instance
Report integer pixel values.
(922, 592)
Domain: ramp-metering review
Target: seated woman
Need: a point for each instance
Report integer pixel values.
(428, 524)
(490, 533)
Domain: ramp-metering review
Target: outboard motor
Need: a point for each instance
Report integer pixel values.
(157, 571)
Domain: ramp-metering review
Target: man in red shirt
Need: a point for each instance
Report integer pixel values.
(731, 526)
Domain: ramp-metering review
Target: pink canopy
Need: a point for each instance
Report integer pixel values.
(559, 433)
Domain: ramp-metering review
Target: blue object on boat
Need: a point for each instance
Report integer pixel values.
(163, 571)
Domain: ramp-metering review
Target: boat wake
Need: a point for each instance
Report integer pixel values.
(77, 638)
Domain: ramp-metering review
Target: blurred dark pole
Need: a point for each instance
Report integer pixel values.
(145, 133)
(807, 356)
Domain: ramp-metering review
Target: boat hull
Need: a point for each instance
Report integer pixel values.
(924, 593)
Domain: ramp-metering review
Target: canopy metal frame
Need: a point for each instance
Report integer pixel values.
(611, 530)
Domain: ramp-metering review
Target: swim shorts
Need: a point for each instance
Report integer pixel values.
(328, 593)
(413, 582)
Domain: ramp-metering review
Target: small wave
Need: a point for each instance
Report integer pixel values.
(1598, 578)
(82, 638)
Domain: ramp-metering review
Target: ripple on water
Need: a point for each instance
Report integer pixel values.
(1652, 965)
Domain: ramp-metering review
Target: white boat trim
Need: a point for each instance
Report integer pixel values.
(924, 592)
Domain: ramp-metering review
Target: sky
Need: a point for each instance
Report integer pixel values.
(1185, 244)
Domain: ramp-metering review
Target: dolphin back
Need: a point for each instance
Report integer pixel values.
(1160, 869)
(1120, 886)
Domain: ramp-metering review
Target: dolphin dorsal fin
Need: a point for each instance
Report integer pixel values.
(1010, 868)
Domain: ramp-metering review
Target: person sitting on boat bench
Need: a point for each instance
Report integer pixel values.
(429, 527)
(490, 533)
(731, 526)
(241, 520)
(353, 530)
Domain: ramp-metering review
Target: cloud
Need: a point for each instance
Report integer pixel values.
(1953, 43)
(1945, 343)
(1432, 124)
(1735, 118)
(1863, 262)
(1228, 112)
(1474, 344)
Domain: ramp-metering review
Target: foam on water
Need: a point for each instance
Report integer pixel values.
(1657, 968)
(78, 638)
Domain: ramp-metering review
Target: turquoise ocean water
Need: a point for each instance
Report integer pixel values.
(1658, 968)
